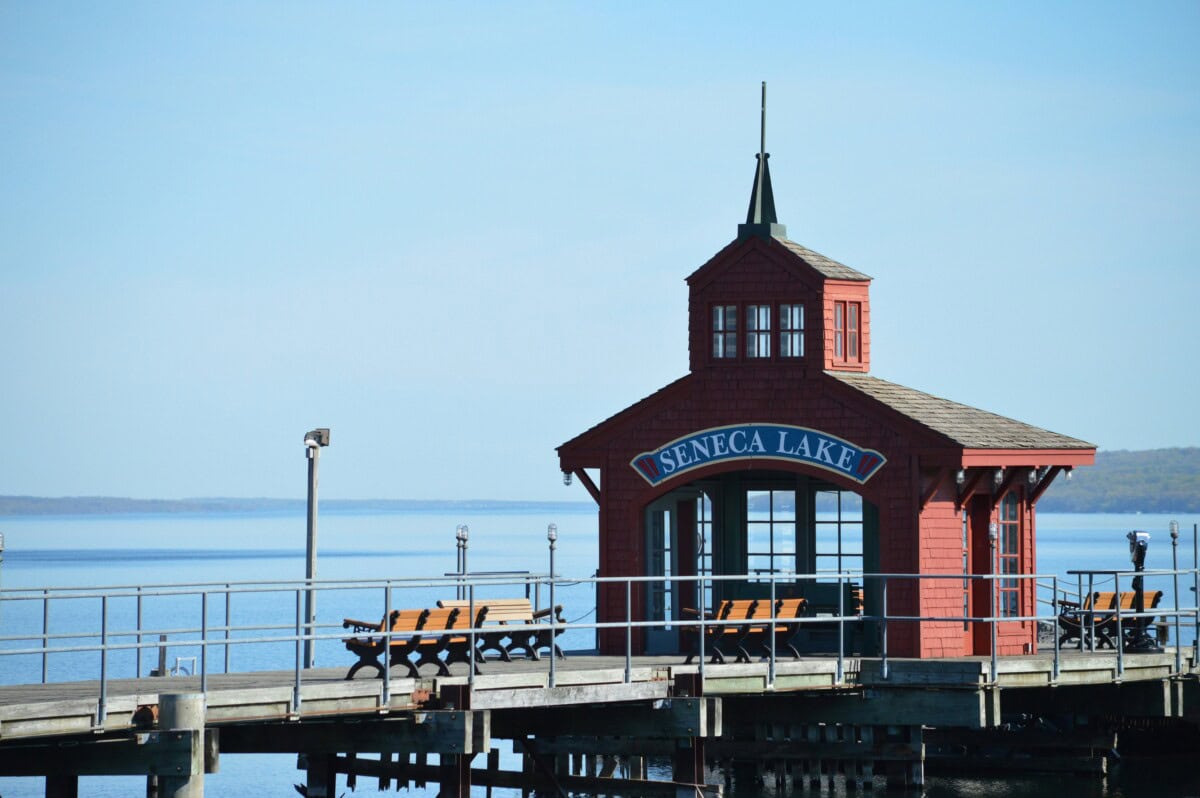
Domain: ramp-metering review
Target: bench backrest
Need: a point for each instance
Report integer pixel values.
(789, 608)
(1150, 599)
(408, 620)
(518, 610)
(738, 610)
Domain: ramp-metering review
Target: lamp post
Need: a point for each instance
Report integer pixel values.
(314, 440)
(1174, 528)
(461, 535)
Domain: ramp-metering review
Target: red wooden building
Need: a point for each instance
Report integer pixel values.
(779, 452)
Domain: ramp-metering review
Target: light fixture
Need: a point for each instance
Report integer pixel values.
(960, 477)
(552, 533)
(1033, 475)
(993, 532)
(1174, 527)
(998, 477)
(567, 478)
(1070, 470)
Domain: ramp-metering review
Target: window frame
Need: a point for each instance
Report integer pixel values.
(847, 331)
(760, 336)
(1008, 556)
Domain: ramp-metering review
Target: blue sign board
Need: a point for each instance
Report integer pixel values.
(758, 442)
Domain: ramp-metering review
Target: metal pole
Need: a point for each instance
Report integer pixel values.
(299, 654)
(1054, 588)
(883, 633)
(1120, 630)
(45, 634)
(993, 536)
(841, 668)
(102, 706)
(386, 700)
(310, 559)
(552, 536)
(228, 617)
(137, 670)
(628, 631)
(1174, 527)
(204, 642)
(770, 633)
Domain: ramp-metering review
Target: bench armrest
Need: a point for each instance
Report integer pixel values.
(360, 626)
(690, 613)
(545, 612)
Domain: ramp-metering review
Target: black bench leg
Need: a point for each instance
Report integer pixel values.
(362, 663)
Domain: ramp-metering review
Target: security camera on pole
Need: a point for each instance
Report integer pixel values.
(1136, 639)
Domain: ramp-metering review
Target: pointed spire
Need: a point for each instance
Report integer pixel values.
(760, 218)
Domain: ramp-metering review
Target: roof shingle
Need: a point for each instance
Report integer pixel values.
(967, 426)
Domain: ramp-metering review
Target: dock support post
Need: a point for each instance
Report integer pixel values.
(62, 785)
(320, 780)
(184, 711)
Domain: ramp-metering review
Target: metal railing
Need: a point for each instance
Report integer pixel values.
(105, 624)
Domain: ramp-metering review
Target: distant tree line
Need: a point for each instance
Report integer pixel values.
(1152, 481)
(1156, 480)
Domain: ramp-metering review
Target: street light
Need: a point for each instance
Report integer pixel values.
(461, 535)
(313, 441)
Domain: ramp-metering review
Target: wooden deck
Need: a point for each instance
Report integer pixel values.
(966, 690)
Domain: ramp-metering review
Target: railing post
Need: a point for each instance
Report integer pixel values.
(386, 696)
(471, 621)
(299, 651)
(204, 641)
(137, 664)
(1120, 630)
(552, 537)
(628, 631)
(1054, 612)
(771, 637)
(228, 623)
(1196, 591)
(992, 595)
(841, 671)
(703, 612)
(102, 705)
(883, 631)
(45, 635)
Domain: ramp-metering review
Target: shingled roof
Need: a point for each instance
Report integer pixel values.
(828, 267)
(967, 426)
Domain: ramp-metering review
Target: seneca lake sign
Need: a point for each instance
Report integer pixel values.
(758, 442)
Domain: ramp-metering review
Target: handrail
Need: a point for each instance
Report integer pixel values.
(113, 634)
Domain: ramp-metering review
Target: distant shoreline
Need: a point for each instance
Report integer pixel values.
(106, 505)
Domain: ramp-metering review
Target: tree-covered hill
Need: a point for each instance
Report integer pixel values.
(1156, 480)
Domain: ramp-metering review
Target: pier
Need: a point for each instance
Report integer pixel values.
(585, 723)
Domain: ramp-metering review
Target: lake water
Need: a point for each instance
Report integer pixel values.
(127, 550)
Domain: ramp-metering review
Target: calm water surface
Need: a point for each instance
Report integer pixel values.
(126, 550)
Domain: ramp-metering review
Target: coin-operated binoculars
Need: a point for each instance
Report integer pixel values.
(1136, 638)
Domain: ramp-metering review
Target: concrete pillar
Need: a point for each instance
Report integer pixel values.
(184, 712)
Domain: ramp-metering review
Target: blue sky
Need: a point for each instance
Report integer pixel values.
(457, 234)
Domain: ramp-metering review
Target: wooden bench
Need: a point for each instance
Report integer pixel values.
(514, 614)
(1097, 616)
(722, 638)
(428, 633)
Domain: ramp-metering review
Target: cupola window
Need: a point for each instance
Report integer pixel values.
(758, 331)
(845, 331)
(725, 331)
(791, 331)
